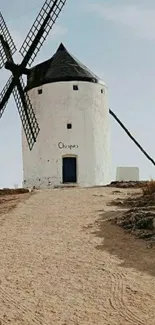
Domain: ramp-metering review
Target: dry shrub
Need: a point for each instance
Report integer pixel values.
(149, 188)
(12, 191)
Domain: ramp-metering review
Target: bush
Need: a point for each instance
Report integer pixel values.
(149, 188)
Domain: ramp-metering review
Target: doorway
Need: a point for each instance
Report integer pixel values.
(69, 169)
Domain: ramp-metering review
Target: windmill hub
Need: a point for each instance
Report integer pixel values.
(16, 69)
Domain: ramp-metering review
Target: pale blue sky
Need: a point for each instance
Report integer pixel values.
(117, 42)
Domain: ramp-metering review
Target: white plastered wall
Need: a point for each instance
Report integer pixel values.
(89, 138)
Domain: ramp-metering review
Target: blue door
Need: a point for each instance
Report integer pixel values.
(69, 170)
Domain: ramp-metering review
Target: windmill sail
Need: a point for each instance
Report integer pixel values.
(7, 37)
(29, 50)
(5, 94)
(40, 30)
(26, 112)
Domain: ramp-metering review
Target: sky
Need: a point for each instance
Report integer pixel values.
(116, 40)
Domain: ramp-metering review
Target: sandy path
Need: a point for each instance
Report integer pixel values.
(56, 270)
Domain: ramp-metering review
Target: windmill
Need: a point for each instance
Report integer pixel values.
(29, 50)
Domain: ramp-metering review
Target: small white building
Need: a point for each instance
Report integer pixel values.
(127, 174)
(71, 107)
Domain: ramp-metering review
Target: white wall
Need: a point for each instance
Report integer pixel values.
(87, 111)
(127, 174)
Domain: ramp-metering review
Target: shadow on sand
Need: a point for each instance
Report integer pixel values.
(133, 253)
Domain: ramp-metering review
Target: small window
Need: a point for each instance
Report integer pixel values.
(69, 126)
(75, 87)
(40, 91)
(102, 91)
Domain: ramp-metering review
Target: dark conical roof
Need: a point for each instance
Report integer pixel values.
(61, 67)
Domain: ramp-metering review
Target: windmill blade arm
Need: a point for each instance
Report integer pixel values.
(5, 95)
(131, 137)
(5, 40)
(40, 30)
(27, 115)
(5, 52)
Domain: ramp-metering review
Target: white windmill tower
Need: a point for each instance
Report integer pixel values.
(73, 145)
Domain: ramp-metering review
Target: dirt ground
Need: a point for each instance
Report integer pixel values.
(62, 263)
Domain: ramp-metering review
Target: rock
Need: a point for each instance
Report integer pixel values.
(130, 184)
(138, 222)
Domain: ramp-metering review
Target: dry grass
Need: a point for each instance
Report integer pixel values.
(13, 191)
(149, 188)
